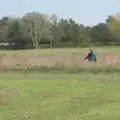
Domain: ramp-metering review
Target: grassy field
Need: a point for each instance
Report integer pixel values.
(106, 56)
(66, 89)
(61, 51)
(59, 96)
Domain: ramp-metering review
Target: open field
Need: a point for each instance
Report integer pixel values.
(59, 96)
(107, 56)
(49, 95)
(60, 51)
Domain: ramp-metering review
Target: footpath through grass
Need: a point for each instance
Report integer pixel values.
(60, 96)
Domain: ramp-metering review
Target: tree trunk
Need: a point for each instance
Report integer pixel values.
(51, 44)
(37, 46)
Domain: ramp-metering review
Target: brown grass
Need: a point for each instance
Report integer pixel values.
(8, 92)
(76, 60)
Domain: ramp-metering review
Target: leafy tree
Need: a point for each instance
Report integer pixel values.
(4, 29)
(55, 30)
(64, 29)
(110, 17)
(14, 34)
(34, 25)
(36, 28)
(74, 31)
(100, 33)
(114, 26)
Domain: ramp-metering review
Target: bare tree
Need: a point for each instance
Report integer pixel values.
(34, 25)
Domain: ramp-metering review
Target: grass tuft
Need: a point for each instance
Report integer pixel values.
(63, 69)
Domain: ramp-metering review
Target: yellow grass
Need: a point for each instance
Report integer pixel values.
(62, 57)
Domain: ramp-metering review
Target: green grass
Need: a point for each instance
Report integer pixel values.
(60, 51)
(65, 70)
(61, 96)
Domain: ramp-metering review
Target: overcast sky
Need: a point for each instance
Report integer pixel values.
(88, 12)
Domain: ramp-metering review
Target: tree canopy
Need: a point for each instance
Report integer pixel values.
(36, 29)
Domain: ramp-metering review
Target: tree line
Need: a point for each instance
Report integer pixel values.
(36, 30)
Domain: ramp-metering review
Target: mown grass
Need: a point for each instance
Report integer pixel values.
(39, 96)
(59, 51)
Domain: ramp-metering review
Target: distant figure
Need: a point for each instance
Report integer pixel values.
(91, 56)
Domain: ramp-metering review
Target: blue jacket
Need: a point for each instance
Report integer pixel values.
(91, 56)
(94, 56)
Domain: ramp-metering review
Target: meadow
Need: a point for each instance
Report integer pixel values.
(59, 96)
(58, 84)
(60, 58)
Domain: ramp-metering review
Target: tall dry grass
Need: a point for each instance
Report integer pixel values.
(23, 61)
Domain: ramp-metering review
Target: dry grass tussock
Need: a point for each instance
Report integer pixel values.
(76, 60)
(8, 92)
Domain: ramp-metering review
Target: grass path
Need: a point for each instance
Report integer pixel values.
(60, 51)
(60, 97)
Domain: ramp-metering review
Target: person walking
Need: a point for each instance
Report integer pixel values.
(91, 56)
